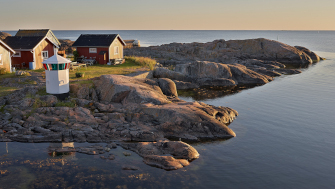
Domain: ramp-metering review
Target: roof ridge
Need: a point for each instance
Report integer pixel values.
(33, 29)
(101, 34)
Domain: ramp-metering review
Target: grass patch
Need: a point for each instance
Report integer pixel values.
(42, 91)
(98, 70)
(27, 82)
(7, 75)
(6, 90)
(142, 61)
(70, 104)
(38, 70)
(83, 82)
(2, 108)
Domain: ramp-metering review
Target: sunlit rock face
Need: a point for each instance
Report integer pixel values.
(227, 52)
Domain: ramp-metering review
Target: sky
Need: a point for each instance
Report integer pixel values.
(168, 14)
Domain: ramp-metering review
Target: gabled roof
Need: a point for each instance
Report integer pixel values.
(56, 59)
(25, 43)
(96, 40)
(5, 45)
(41, 32)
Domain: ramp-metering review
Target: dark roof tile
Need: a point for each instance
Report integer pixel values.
(94, 40)
(42, 32)
(17, 42)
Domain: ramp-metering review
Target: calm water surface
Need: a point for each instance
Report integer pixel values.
(285, 139)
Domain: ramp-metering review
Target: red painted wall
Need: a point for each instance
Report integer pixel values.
(50, 49)
(26, 57)
(84, 51)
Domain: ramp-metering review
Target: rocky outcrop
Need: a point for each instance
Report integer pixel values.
(122, 109)
(156, 153)
(66, 45)
(3, 35)
(168, 87)
(226, 63)
(312, 55)
(116, 88)
(204, 74)
(227, 52)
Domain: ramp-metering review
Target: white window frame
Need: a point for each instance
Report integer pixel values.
(17, 54)
(1, 61)
(47, 53)
(116, 50)
(93, 50)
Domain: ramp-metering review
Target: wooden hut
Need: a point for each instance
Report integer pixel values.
(103, 48)
(5, 56)
(30, 50)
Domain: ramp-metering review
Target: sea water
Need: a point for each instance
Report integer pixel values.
(284, 133)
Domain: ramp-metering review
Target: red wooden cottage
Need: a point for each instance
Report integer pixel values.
(103, 48)
(31, 49)
(5, 56)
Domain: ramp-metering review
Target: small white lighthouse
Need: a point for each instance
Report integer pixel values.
(57, 76)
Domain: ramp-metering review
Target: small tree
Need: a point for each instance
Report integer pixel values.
(75, 55)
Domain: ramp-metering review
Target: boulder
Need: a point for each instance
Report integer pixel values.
(166, 73)
(192, 120)
(215, 74)
(185, 85)
(314, 56)
(49, 100)
(204, 69)
(154, 153)
(117, 88)
(168, 87)
(165, 162)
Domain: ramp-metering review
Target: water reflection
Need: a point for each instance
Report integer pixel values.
(61, 149)
(205, 93)
(52, 166)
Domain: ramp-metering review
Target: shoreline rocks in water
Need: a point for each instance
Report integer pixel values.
(226, 63)
(143, 112)
(115, 108)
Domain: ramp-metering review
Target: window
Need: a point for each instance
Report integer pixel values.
(116, 50)
(17, 54)
(1, 62)
(45, 55)
(93, 50)
(54, 67)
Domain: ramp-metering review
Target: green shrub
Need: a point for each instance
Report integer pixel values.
(80, 74)
(3, 71)
(75, 55)
(142, 61)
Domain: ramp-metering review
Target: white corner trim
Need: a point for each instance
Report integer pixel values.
(43, 40)
(19, 54)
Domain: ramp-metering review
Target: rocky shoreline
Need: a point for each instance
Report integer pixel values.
(142, 112)
(116, 108)
(226, 63)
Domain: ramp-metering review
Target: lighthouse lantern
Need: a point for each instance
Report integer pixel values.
(57, 76)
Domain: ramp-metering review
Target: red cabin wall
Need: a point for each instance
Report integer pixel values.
(84, 51)
(50, 49)
(26, 57)
(45, 45)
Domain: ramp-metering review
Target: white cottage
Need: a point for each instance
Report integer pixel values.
(57, 76)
